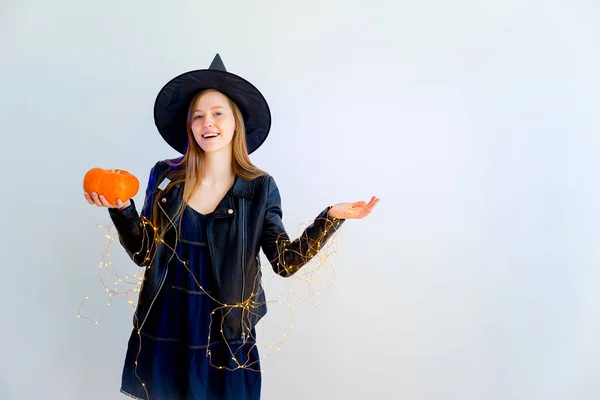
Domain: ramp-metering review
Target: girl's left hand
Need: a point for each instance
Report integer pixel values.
(356, 210)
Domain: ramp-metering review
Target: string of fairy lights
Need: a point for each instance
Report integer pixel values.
(310, 276)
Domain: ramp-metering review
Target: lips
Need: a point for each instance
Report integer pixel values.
(209, 135)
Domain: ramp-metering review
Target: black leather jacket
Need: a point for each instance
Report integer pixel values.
(247, 219)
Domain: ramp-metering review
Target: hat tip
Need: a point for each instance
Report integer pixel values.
(217, 63)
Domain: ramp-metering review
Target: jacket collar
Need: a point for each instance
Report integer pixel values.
(225, 208)
(242, 188)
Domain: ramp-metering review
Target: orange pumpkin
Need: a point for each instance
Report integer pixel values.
(113, 184)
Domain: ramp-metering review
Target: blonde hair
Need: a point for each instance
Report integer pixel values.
(190, 168)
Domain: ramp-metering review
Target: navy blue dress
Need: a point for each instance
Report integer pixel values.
(173, 362)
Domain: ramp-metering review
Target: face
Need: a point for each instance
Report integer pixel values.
(213, 123)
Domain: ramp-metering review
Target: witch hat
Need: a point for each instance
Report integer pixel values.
(173, 100)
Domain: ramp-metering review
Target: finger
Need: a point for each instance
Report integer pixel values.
(88, 198)
(366, 207)
(373, 200)
(105, 202)
(96, 199)
(373, 203)
(101, 201)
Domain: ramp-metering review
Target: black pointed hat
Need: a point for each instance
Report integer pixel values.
(173, 100)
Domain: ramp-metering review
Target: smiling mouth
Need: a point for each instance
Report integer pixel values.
(210, 135)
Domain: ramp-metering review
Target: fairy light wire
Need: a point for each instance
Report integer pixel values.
(310, 275)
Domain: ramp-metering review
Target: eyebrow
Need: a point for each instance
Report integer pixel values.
(211, 108)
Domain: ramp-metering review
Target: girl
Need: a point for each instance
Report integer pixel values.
(205, 217)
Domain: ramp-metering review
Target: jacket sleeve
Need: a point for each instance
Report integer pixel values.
(287, 257)
(135, 231)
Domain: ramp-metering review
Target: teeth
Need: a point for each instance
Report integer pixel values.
(210, 135)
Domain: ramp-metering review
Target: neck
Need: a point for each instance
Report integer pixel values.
(217, 167)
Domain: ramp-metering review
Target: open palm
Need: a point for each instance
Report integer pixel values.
(356, 210)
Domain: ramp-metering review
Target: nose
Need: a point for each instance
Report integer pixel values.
(208, 123)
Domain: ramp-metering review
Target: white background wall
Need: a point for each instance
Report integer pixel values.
(475, 122)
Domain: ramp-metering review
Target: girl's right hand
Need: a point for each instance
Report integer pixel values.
(100, 201)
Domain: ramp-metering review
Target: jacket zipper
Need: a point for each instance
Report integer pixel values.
(243, 263)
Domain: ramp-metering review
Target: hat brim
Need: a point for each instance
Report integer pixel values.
(173, 101)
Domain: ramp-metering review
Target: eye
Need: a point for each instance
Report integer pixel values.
(218, 113)
(198, 116)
